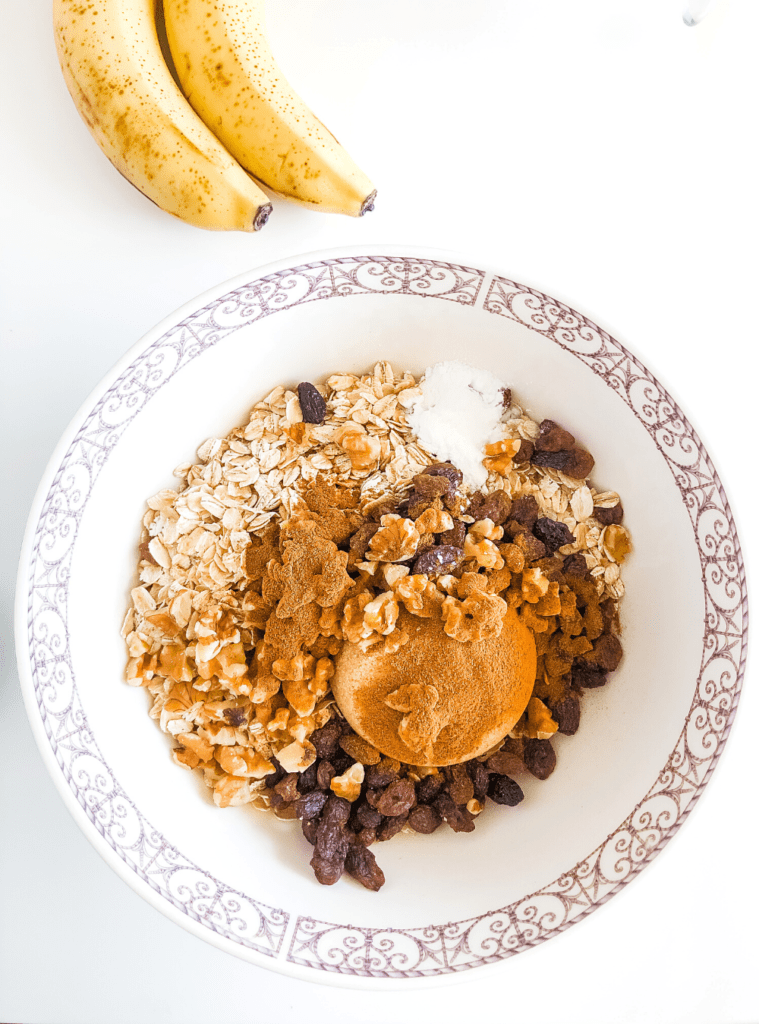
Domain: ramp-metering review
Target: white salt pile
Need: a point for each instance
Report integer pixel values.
(458, 413)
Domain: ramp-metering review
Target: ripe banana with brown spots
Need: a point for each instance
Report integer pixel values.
(227, 72)
(114, 69)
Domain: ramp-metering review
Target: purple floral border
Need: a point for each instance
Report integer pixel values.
(348, 949)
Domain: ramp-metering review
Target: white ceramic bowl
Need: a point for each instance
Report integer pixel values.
(453, 903)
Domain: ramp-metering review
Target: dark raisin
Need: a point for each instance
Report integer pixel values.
(336, 810)
(576, 463)
(359, 542)
(553, 534)
(360, 864)
(331, 839)
(504, 763)
(312, 405)
(366, 836)
(328, 870)
(609, 516)
(287, 788)
(310, 827)
(372, 796)
(553, 438)
(311, 805)
(235, 716)
(504, 790)
(459, 818)
(380, 775)
(424, 819)
(341, 762)
(398, 798)
(438, 560)
(325, 773)
(576, 565)
(460, 786)
(525, 511)
(429, 486)
(526, 448)
(506, 397)
(367, 816)
(325, 740)
(446, 469)
(456, 536)
(391, 827)
(566, 713)
(587, 676)
(495, 506)
(531, 546)
(308, 779)
(276, 776)
(480, 777)
(383, 507)
(539, 758)
(429, 787)
(607, 652)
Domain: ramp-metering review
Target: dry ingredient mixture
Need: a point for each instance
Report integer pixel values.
(324, 531)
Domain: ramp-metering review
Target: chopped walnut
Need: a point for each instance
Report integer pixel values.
(434, 520)
(348, 785)
(483, 551)
(396, 540)
(615, 542)
(381, 614)
(534, 585)
(297, 756)
(479, 616)
(536, 723)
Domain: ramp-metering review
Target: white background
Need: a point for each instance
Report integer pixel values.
(597, 149)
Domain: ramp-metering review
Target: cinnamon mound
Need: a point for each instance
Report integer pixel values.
(437, 701)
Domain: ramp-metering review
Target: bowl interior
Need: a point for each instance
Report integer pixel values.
(628, 728)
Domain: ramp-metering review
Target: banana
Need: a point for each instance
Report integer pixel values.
(114, 69)
(228, 73)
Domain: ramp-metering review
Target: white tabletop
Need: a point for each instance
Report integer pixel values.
(597, 149)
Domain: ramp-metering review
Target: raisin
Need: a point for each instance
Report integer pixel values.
(506, 397)
(459, 818)
(576, 463)
(310, 805)
(460, 786)
(372, 796)
(287, 788)
(504, 763)
(553, 438)
(331, 839)
(525, 511)
(391, 827)
(553, 534)
(607, 652)
(276, 776)
(307, 780)
(360, 864)
(576, 565)
(587, 676)
(539, 758)
(383, 507)
(359, 542)
(328, 870)
(495, 506)
(480, 777)
(325, 773)
(366, 836)
(429, 787)
(326, 739)
(235, 717)
(380, 775)
(532, 547)
(504, 790)
(446, 469)
(609, 516)
(428, 486)
(310, 827)
(312, 405)
(424, 819)
(398, 798)
(566, 713)
(526, 448)
(367, 816)
(456, 536)
(438, 560)
(336, 810)
(341, 762)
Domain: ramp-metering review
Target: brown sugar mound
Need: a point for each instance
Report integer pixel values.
(437, 701)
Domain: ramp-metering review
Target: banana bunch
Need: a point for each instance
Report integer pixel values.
(198, 159)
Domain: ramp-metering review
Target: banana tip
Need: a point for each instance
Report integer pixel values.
(368, 204)
(262, 215)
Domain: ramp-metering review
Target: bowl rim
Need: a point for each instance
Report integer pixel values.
(282, 963)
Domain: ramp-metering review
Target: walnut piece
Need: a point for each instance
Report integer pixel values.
(348, 785)
(396, 540)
